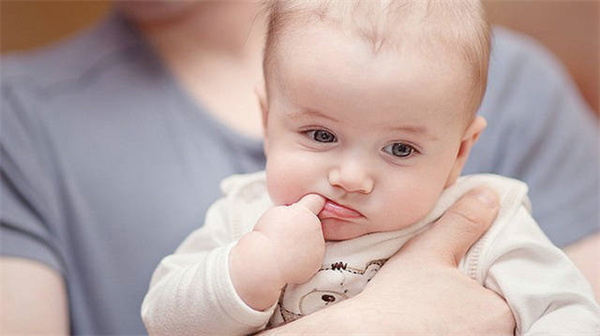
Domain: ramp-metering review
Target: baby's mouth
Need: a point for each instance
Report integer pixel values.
(335, 210)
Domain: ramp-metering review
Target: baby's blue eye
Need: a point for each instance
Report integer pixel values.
(399, 149)
(321, 136)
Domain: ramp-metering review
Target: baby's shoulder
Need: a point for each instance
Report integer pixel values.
(245, 186)
(512, 193)
(245, 200)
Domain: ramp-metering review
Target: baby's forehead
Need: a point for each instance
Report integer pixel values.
(448, 29)
(343, 73)
(323, 50)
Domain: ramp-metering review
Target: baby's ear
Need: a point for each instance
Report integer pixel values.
(262, 100)
(468, 140)
(264, 108)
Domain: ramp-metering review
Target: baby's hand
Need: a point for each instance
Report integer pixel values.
(286, 246)
(296, 237)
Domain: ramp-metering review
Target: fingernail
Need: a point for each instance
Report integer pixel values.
(487, 197)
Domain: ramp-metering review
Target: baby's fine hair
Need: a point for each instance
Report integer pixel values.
(458, 25)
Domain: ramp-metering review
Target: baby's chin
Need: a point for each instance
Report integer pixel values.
(337, 230)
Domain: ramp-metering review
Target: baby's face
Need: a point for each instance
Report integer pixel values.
(376, 135)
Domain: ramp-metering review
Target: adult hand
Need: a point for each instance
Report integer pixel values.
(420, 290)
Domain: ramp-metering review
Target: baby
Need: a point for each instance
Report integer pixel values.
(369, 117)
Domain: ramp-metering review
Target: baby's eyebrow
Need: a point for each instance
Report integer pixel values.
(305, 113)
(418, 130)
(414, 129)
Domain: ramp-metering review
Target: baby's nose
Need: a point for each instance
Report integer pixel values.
(352, 175)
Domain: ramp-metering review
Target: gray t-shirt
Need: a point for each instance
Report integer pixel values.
(107, 165)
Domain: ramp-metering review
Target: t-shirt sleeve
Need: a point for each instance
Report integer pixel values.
(29, 213)
(541, 131)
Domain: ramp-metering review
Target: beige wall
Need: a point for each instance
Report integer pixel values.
(570, 28)
(27, 24)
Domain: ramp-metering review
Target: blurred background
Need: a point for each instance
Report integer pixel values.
(569, 28)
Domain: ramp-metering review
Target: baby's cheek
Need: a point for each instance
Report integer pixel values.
(410, 205)
(284, 184)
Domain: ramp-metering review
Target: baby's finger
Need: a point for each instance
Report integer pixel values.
(312, 202)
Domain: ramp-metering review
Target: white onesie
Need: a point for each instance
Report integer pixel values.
(191, 292)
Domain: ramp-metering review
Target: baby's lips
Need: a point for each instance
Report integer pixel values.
(334, 210)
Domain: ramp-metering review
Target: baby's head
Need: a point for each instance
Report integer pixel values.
(372, 105)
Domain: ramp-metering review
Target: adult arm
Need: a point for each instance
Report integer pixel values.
(34, 299)
(420, 290)
(33, 290)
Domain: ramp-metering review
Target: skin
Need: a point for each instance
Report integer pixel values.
(364, 105)
(365, 141)
(225, 64)
(34, 299)
(222, 69)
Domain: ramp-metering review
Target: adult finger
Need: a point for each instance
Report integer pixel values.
(460, 226)
(312, 202)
